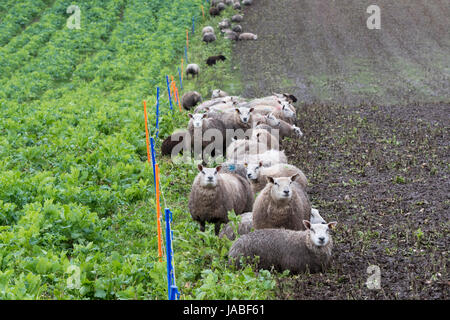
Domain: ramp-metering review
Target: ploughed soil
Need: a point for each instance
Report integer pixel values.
(374, 106)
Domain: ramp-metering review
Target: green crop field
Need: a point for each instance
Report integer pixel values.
(77, 208)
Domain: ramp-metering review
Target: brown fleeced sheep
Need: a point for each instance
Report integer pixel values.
(213, 59)
(172, 141)
(257, 174)
(214, 194)
(296, 251)
(282, 204)
(213, 11)
(191, 99)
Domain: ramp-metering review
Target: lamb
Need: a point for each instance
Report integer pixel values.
(282, 203)
(193, 69)
(207, 29)
(209, 37)
(213, 59)
(248, 36)
(191, 99)
(237, 28)
(244, 227)
(257, 174)
(217, 93)
(246, 224)
(296, 251)
(213, 194)
(237, 18)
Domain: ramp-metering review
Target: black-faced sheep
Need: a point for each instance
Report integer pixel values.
(283, 203)
(214, 194)
(192, 69)
(213, 59)
(296, 251)
(191, 99)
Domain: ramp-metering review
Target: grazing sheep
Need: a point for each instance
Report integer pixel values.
(244, 227)
(257, 174)
(231, 35)
(217, 93)
(237, 5)
(209, 37)
(282, 203)
(213, 59)
(248, 36)
(221, 6)
(193, 69)
(225, 23)
(296, 251)
(191, 99)
(207, 29)
(229, 2)
(240, 119)
(172, 141)
(237, 18)
(213, 11)
(287, 130)
(214, 194)
(237, 28)
(247, 2)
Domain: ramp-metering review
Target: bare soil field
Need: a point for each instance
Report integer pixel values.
(375, 110)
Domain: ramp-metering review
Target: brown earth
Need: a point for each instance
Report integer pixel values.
(376, 116)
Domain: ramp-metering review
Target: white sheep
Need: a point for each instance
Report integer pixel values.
(192, 69)
(296, 251)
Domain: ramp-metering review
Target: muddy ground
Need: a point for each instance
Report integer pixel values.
(375, 110)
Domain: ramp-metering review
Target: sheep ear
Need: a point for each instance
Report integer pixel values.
(200, 167)
(307, 224)
(251, 109)
(204, 116)
(237, 110)
(245, 164)
(270, 180)
(332, 225)
(259, 122)
(218, 168)
(190, 115)
(294, 177)
(260, 163)
(207, 109)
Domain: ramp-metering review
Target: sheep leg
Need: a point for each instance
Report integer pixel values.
(217, 228)
(202, 226)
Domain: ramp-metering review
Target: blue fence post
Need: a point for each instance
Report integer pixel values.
(152, 145)
(172, 292)
(168, 90)
(157, 112)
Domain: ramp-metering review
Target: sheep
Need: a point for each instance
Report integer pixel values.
(221, 6)
(225, 23)
(247, 2)
(265, 137)
(237, 18)
(235, 168)
(257, 174)
(245, 226)
(284, 113)
(240, 148)
(296, 251)
(207, 29)
(191, 99)
(237, 28)
(172, 141)
(213, 59)
(200, 127)
(316, 218)
(268, 158)
(209, 37)
(229, 2)
(231, 35)
(213, 11)
(217, 93)
(248, 36)
(193, 69)
(240, 119)
(286, 130)
(282, 203)
(214, 3)
(237, 5)
(213, 194)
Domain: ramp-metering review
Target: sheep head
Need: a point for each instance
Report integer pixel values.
(281, 188)
(209, 176)
(319, 232)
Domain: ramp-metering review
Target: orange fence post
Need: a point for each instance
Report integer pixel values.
(158, 213)
(203, 12)
(187, 38)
